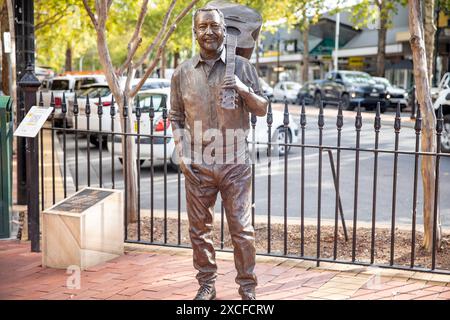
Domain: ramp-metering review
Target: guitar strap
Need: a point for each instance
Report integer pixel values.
(229, 95)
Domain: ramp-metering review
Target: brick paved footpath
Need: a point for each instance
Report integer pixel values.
(152, 273)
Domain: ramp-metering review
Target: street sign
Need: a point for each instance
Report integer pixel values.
(33, 122)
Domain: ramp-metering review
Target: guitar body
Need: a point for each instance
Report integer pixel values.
(243, 28)
(243, 22)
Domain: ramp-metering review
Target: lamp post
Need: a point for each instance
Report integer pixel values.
(29, 85)
(24, 27)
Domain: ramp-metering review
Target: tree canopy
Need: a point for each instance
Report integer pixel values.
(60, 24)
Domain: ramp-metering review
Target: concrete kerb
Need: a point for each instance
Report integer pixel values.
(342, 269)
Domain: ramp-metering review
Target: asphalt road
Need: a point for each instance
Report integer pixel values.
(384, 193)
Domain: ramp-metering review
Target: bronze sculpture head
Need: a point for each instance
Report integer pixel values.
(210, 31)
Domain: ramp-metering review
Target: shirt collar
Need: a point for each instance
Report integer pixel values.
(197, 58)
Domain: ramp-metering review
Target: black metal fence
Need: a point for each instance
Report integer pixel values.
(297, 201)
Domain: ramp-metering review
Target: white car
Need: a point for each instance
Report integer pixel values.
(286, 90)
(102, 90)
(266, 89)
(443, 85)
(67, 85)
(444, 100)
(393, 95)
(158, 97)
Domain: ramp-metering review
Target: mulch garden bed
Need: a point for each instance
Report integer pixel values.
(382, 254)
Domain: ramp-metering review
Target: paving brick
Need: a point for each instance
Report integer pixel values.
(169, 274)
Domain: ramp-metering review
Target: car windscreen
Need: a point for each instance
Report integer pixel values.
(384, 82)
(145, 100)
(60, 85)
(155, 85)
(292, 86)
(96, 92)
(82, 82)
(358, 78)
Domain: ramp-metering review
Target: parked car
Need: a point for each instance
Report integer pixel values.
(67, 85)
(102, 90)
(286, 90)
(266, 89)
(307, 92)
(393, 95)
(161, 97)
(351, 88)
(444, 100)
(443, 85)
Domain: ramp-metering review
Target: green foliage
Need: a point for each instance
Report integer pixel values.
(444, 6)
(60, 24)
(369, 12)
(73, 27)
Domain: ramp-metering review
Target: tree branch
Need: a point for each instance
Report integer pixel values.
(149, 71)
(91, 14)
(151, 47)
(102, 11)
(50, 20)
(134, 43)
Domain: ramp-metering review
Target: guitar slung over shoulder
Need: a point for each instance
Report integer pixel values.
(229, 95)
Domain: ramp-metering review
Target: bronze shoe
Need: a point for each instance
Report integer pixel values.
(206, 292)
(247, 294)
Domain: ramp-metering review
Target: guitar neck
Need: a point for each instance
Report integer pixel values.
(229, 95)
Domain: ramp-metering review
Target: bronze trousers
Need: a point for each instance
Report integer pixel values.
(233, 181)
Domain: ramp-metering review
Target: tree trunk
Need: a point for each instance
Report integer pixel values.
(430, 31)
(130, 170)
(381, 56)
(429, 120)
(163, 64)
(68, 64)
(4, 27)
(305, 68)
(176, 59)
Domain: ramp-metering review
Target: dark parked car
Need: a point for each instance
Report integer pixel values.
(308, 91)
(351, 88)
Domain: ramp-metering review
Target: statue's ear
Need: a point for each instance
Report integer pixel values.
(195, 33)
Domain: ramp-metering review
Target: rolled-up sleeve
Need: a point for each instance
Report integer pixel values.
(176, 114)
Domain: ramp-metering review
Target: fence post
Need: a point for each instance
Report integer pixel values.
(29, 85)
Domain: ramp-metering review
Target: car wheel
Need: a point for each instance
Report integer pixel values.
(278, 138)
(346, 102)
(141, 162)
(445, 138)
(317, 99)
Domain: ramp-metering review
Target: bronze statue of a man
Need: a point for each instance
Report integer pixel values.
(196, 105)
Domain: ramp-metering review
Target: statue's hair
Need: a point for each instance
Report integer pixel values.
(208, 9)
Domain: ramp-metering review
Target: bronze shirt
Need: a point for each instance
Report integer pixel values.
(195, 96)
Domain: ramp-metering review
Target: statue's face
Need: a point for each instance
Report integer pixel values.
(209, 30)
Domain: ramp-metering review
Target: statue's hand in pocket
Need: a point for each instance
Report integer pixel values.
(189, 173)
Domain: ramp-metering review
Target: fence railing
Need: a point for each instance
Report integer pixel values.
(350, 211)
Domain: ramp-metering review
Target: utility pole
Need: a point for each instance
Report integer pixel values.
(278, 55)
(336, 41)
(25, 51)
